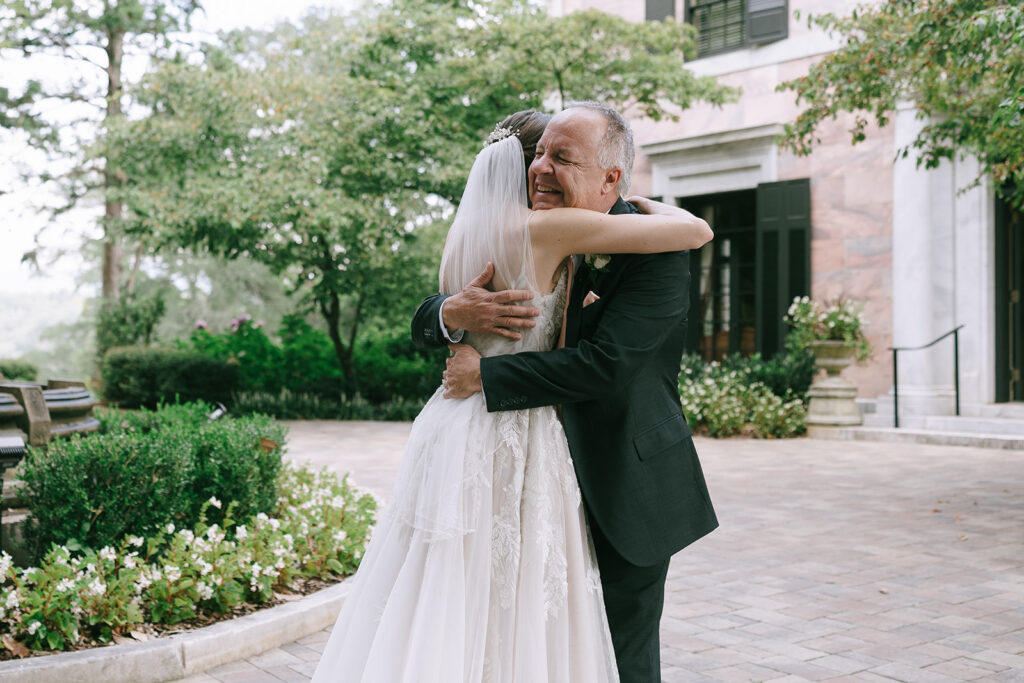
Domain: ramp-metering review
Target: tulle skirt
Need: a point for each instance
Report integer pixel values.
(480, 568)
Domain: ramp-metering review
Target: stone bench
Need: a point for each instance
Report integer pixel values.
(11, 417)
(39, 413)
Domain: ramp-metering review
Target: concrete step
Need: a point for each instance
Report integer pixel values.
(949, 423)
(1009, 411)
(922, 436)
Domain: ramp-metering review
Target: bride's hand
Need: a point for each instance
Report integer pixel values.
(649, 206)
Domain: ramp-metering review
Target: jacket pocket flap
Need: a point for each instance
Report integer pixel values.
(661, 436)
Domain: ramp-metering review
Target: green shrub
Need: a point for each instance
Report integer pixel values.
(391, 366)
(247, 347)
(235, 460)
(16, 369)
(784, 374)
(390, 371)
(99, 488)
(727, 399)
(286, 405)
(144, 377)
(148, 469)
(309, 363)
(143, 420)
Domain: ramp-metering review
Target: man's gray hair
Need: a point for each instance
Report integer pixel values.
(617, 145)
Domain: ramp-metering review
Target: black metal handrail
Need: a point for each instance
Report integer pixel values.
(895, 371)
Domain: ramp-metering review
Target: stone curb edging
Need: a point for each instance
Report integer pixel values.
(186, 654)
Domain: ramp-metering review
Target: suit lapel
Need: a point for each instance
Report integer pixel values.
(579, 290)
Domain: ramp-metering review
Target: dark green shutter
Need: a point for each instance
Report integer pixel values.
(767, 20)
(660, 9)
(783, 269)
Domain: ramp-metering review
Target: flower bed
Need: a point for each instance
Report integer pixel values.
(729, 399)
(78, 597)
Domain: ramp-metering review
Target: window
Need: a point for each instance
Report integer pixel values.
(660, 9)
(719, 23)
(724, 25)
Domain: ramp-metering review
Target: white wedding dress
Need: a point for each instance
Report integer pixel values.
(480, 568)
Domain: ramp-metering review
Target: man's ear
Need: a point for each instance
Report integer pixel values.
(611, 179)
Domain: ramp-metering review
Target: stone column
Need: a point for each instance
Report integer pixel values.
(923, 274)
(975, 287)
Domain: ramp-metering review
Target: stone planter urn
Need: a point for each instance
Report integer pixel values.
(832, 399)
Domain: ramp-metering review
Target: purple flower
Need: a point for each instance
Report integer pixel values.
(239, 321)
(200, 324)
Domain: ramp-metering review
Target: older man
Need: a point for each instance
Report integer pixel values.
(616, 379)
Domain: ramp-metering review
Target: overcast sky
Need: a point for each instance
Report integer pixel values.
(19, 221)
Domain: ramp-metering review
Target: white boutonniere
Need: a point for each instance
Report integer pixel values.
(598, 261)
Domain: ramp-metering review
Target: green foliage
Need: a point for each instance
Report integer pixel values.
(301, 379)
(144, 377)
(143, 421)
(237, 458)
(246, 346)
(785, 374)
(728, 399)
(390, 366)
(320, 150)
(836, 320)
(961, 62)
(286, 405)
(97, 489)
(18, 369)
(318, 530)
(148, 469)
(308, 363)
(128, 321)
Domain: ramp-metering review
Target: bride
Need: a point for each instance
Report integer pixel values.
(481, 568)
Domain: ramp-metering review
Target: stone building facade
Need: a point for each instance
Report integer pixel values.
(922, 253)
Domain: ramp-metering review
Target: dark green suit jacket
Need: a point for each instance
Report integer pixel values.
(616, 380)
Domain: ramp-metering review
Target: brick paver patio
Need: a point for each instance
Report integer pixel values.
(834, 561)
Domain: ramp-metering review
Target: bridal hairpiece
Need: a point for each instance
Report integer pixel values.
(499, 134)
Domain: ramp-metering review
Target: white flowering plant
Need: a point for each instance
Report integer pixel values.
(835, 320)
(726, 400)
(75, 595)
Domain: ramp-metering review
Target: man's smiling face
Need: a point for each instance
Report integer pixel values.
(565, 171)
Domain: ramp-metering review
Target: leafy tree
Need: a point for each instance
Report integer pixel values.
(90, 40)
(331, 151)
(130, 320)
(961, 62)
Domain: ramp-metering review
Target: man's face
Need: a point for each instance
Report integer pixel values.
(565, 171)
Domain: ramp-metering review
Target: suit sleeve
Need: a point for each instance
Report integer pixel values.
(426, 323)
(650, 302)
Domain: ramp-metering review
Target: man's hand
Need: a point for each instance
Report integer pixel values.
(476, 309)
(462, 378)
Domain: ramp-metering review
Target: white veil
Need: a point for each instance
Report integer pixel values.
(490, 224)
